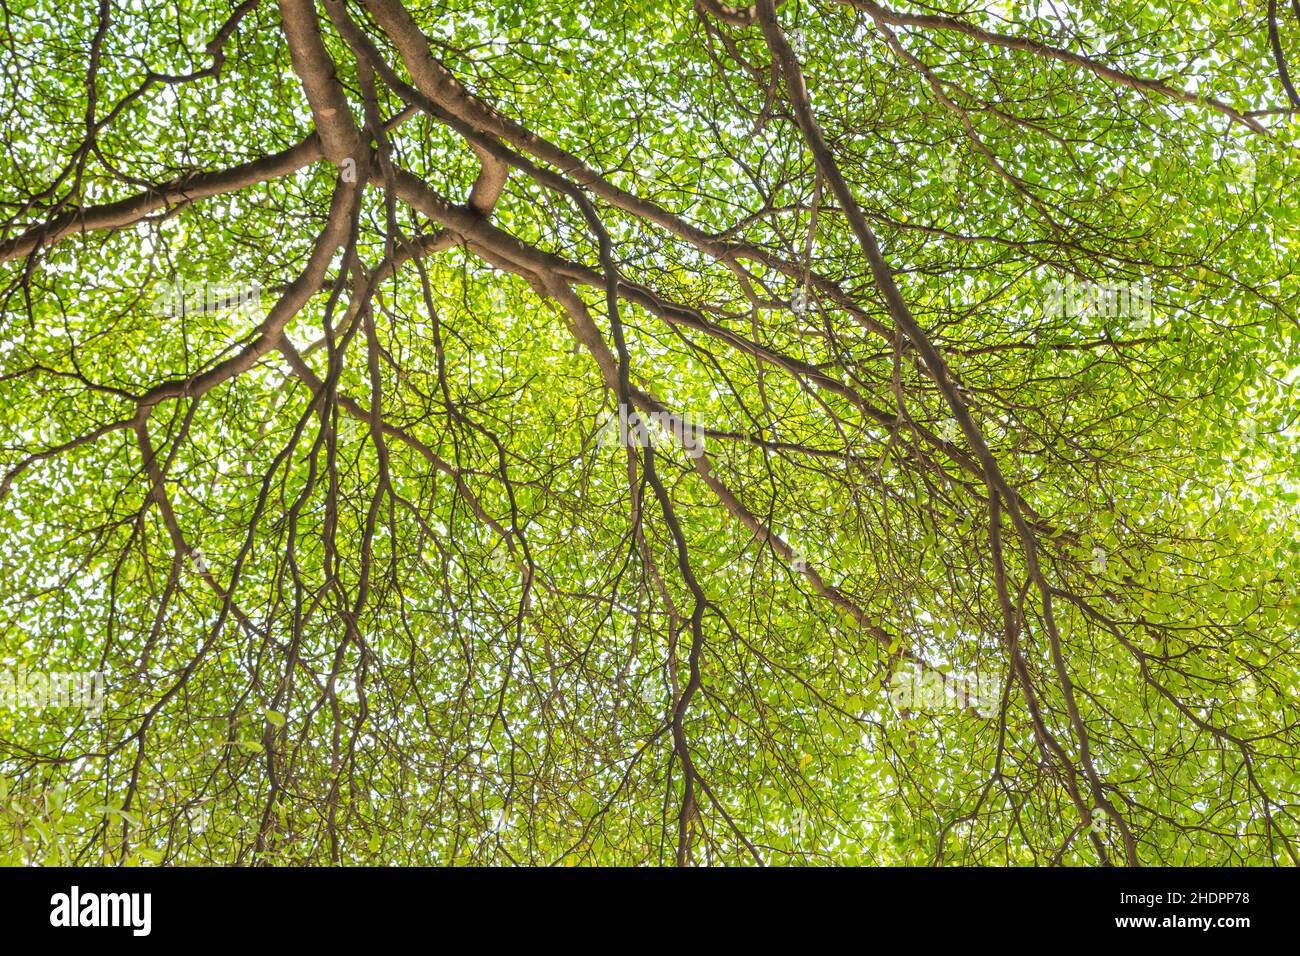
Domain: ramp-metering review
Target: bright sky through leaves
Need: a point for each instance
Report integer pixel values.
(649, 432)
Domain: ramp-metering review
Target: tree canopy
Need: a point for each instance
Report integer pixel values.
(650, 432)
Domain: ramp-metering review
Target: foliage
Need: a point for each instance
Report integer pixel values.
(366, 578)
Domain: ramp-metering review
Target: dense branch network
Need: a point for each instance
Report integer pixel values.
(370, 581)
